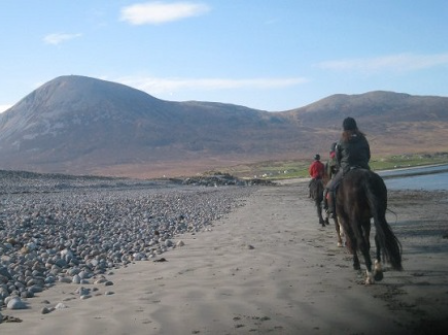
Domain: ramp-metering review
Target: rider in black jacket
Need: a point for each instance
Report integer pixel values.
(352, 151)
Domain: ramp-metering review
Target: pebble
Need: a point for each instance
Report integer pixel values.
(46, 310)
(82, 291)
(76, 279)
(56, 228)
(60, 305)
(16, 303)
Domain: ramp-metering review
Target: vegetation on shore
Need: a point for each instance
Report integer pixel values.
(277, 170)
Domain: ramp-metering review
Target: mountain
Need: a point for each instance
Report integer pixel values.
(395, 123)
(377, 107)
(82, 125)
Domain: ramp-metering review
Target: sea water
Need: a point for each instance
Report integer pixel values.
(420, 178)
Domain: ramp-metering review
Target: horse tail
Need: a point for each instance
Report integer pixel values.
(389, 243)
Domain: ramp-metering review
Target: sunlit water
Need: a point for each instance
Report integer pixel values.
(407, 180)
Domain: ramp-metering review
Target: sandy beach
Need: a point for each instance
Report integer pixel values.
(265, 268)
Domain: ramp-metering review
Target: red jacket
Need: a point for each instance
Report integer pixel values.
(316, 169)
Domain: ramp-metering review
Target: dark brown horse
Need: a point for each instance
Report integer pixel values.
(317, 194)
(362, 195)
(317, 190)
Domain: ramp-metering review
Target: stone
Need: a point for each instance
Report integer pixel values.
(76, 279)
(16, 303)
(60, 306)
(46, 310)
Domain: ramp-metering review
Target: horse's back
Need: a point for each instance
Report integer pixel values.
(356, 178)
(356, 183)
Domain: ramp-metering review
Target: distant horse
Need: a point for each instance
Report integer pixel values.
(362, 195)
(317, 194)
(317, 188)
(339, 230)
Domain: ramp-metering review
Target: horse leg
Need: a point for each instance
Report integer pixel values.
(364, 246)
(378, 270)
(319, 213)
(354, 249)
(327, 216)
(351, 241)
(338, 231)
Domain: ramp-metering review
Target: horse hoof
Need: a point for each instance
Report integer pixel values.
(369, 281)
(340, 244)
(369, 278)
(378, 276)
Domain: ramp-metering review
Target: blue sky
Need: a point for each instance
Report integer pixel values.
(272, 55)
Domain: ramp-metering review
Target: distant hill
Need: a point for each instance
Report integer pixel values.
(82, 125)
(379, 107)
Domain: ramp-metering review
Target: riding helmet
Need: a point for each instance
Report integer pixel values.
(317, 157)
(349, 124)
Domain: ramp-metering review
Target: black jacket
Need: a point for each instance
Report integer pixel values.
(354, 152)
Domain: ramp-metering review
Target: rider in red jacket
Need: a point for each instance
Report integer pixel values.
(317, 168)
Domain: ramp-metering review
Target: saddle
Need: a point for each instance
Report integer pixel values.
(355, 167)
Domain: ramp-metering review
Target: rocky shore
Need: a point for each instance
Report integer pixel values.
(91, 253)
(56, 228)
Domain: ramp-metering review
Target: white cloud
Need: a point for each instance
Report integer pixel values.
(401, 62)
(160, 12)
(4, 108)
(59, 38)
(153, 85)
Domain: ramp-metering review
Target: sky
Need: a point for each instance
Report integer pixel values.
(272, 55)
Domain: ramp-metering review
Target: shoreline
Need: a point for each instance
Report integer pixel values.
(380, 172)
